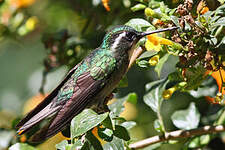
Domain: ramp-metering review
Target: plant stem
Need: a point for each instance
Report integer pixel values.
(221, 118)
(221, 76)
(161, 120)
(177, 135)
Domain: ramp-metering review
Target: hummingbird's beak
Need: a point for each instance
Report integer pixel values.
(157, 31)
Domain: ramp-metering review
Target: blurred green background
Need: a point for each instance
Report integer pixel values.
(22, 58)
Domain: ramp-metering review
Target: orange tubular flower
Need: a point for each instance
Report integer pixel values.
(106, 5)
(154, 42)
(23, 138)
(154, 60)
(204, 10)
(21, 3)
(95, 133)
(219, 76)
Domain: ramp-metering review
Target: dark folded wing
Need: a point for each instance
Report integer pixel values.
(46, 101)
(86, 88)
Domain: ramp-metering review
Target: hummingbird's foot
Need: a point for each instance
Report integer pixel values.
(108, 98)
(102, 109)
(102, 106)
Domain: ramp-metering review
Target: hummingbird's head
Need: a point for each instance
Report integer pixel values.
(121, 38)
(124, 38)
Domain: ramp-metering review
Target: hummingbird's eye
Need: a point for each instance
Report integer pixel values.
(130, 36)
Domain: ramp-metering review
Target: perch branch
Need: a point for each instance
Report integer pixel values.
(176, 135)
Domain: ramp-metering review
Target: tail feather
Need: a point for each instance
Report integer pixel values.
(46, 101)
(40, 135)
(44, 113)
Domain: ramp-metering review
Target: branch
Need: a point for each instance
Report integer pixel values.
(176, 135)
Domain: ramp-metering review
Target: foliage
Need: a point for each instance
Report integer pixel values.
(197, 50)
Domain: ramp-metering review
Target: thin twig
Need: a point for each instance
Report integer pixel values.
(176, 135)
(221, 77)
(44, 76)
(221, 118)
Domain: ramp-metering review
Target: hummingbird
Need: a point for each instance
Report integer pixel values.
(87, 85)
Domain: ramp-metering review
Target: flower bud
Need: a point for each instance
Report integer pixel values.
(219, 97)
(31, 23)
(138, 7)
(169, 92)
(182, 84)
(177, 46)
(154, 60)
(151, 13)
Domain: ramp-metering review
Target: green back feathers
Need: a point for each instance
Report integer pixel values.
(102, 65)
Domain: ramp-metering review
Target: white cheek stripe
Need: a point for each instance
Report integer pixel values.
(117, 40)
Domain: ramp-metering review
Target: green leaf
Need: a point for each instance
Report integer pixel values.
(138, 24)
(222, 42)
(151, 85)
(195, 77)
(123, 82)
(158, 126)
(121, 119)
(219, 22)
(199, 141)
(175, 76)
(221, 1)
(94, 141)
(85, 121)
(161, 62)
(217, 33)
(116, 144)
(208, 88)
(220, 10)
(138, 7)
(77, 144)
(132, 98)
(173, 141)
(194, 143)
(105, 134)
(186, 119)
(86, 146)
(142, 63)
(121, 133)
(62, 145)
(154, 96)
(21, 146)
(175, 20)
(108, 123)
(128, 124)
(147, 54)
(172, 11)
(117, 107)
(204, 139)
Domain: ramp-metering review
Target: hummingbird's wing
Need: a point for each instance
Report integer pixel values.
(43, 107)
(73, 95)
(86, 88)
